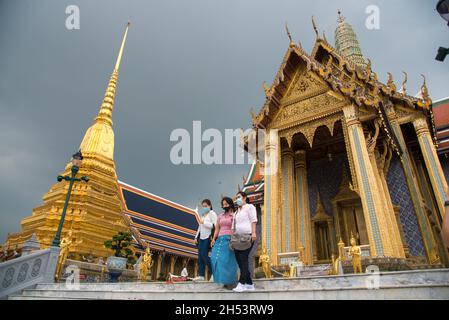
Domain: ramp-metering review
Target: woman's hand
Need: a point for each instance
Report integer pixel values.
(253, 237)
(212, 242)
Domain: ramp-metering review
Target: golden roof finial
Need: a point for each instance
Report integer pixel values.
(267, 90)
(314, 27)
(292, 43)
(390, 82)
(404, 84)
(368, 66)
(425, 93)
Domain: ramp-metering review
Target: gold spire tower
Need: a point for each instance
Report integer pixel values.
(94, 213)
(346, 42)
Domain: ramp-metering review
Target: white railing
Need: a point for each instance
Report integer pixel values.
(27, 271)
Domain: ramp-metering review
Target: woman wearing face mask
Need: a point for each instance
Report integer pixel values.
(207, 222)
(224, 264)
(245, 223)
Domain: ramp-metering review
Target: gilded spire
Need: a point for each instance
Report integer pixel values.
(107, 106)
(99, 138)
(346, 42)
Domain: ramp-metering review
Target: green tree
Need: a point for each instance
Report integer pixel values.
(121, 244)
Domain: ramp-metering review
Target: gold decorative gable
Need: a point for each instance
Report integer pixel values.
(312, 108)
(303, 85)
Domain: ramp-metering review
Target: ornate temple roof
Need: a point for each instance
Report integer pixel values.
(161, 223)
(343, 72)
(253, 183)
(441, 115)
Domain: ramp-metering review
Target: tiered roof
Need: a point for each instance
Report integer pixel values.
(160, 223)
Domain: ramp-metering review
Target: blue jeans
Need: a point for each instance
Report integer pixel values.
(203, 256)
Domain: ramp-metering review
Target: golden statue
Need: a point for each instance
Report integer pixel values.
(334, 267)
(64, 245)
(145, 264)
(355, 252)
(292, 270)
(265, 261)
(341, 250)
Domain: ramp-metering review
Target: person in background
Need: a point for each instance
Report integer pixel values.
(224, 264)
(245, 223)
(203, 236)
(445, 229)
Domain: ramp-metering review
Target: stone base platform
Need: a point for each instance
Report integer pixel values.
(412, 284)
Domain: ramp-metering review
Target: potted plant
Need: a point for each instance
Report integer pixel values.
(120, 243)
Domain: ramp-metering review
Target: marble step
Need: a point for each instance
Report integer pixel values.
(411, 284)
(398, 278)
(398, 292)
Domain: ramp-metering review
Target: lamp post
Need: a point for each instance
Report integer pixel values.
(77, 159)
(443, 10)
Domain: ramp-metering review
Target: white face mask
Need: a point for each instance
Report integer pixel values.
(239, 201)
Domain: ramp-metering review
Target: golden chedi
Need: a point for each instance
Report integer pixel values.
(94, 213)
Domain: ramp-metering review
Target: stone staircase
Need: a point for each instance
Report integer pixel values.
(415, 284)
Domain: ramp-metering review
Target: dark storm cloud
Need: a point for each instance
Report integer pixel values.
(184, 61)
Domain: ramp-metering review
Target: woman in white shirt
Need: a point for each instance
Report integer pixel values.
(245, 223)
(202, 238)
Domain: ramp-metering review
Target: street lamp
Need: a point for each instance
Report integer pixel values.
(442, 53)
(443, 9)
(77, 159)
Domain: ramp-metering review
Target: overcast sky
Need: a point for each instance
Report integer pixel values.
(184, 60)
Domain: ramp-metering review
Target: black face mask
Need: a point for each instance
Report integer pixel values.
(226, 208)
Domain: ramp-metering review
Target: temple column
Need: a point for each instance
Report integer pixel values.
(377, 163)
(172, 264)
(270, 233)
(433, 165)
(158, 265)
(367, 187)
(396, 228)
(288, 224)
(303, 234)
(414, 189)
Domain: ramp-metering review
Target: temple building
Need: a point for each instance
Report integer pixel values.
(348, 155)
(104, 206)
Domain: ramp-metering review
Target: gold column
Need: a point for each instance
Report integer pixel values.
(414, 189)
(172, 264)
(367, 186)
(288, 225)
(433, 165)
(388, 211)
(398, 243)
(377, 163)
(158, 267)
(271, 186)
(303, 234)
